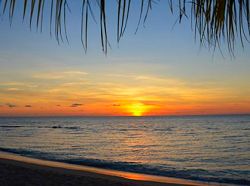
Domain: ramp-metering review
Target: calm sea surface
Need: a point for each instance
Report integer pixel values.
(205, 148)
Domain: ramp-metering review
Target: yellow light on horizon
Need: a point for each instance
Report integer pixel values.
(137, 109)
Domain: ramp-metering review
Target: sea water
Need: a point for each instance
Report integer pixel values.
(204, 148)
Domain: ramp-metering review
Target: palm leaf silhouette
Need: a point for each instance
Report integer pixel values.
(214, 21)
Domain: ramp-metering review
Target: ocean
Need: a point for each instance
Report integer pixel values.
(203, 148)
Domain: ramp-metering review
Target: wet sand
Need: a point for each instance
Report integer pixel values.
(19, 170)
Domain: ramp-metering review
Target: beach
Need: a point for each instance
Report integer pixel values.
(19, 170)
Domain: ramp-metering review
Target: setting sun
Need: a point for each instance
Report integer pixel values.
(137, 109)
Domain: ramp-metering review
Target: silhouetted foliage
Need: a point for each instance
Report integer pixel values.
(214, 21)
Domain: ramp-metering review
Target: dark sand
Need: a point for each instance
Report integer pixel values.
(18, 170)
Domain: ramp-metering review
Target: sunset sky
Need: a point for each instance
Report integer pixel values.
(159, 71)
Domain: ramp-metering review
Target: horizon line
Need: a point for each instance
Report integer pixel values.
(96, 116)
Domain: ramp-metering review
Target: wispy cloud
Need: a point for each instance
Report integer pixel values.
(10, 105)
(116, 105)
(59, 75)
(76, 73)
(12, 85)
(76, 84)
(76, 105)
(13, 89)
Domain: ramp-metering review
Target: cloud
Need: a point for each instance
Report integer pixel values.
(76, 73)
(76, 105)
(116, 105)
(58, 105)
(14, 85)
(28, 106)
(59, 75)
(10, 105)
(13, 89)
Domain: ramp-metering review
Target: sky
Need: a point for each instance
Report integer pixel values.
(160, 70)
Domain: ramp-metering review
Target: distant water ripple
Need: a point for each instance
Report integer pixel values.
(205, 148)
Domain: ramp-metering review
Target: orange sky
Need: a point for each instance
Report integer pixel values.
(80, 93)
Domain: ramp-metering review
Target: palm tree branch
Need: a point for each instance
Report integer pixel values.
(214, 21)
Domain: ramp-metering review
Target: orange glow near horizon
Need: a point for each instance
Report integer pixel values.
(76, 93)
(125, 109)
(137, 109)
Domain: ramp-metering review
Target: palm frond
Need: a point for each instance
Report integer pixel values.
(214, 21)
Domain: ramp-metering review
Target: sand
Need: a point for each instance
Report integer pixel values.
(19, 170)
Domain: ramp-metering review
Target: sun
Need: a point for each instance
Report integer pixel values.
(137, 109)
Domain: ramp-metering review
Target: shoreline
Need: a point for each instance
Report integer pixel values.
(16, 167)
